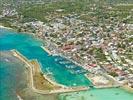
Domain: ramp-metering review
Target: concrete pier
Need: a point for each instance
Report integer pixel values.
(108, 86)
(46, 50)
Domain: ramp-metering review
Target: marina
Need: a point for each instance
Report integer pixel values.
(66, 50)
(31, 49)
(49, 65)
(70, 66)
(55, 88)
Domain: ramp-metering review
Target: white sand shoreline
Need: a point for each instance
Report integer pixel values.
(1, 26)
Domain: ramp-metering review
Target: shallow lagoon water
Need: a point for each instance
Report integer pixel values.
(30, 48)
(10, 73)
(98, 94)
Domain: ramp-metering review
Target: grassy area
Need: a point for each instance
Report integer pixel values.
(7, 22)
(45, 10)
(99, 55)
(48, 11)
(42, 11)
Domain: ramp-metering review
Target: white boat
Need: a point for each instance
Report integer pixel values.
(70, 66)
(58, 59)
(64, 62)
(78, 71)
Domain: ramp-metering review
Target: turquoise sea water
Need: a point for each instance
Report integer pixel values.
(30, 48)
(98, 94)
(6, 90)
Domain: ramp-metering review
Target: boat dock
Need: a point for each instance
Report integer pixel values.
(74, 62)
(108, 86)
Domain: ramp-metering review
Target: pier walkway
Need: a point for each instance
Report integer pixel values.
(46, 50)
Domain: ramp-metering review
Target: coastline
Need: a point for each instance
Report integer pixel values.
(32, 34)
(124, 87)
(43, 47)
(1, 26)
(29, 66)
(127, 88)
(9, 28)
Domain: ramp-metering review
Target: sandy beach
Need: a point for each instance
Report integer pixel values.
(5, 27)
(127, 88)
